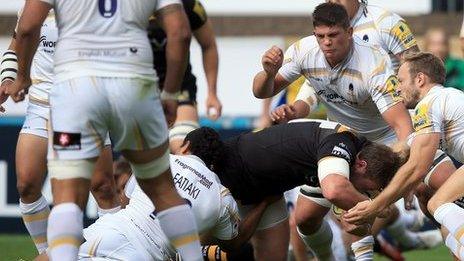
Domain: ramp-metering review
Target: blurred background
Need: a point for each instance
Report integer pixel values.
(244, 30)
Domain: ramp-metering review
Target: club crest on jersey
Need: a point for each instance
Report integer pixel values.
(341, 152)
(66, 141)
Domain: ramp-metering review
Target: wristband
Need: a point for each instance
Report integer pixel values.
(9, 66)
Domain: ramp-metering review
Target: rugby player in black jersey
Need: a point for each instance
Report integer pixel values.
(276, 159)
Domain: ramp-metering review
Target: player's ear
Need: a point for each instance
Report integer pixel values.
(185, 148)
(361, 165)
(350, 31)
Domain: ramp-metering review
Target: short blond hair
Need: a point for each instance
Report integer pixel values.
(426, 63)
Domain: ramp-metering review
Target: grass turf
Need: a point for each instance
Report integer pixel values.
(20, 247)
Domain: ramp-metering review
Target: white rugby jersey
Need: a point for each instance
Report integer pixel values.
(213, 206)
(383, 29)
(442, 111)
(42, 63)
(105, 38)
(356, 92)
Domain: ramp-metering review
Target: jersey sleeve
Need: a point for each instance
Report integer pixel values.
(339, 145)
(395, 33)
(308, 95)
(427, 118)
(383, 85)
(229, 219)
(196, 13)
(162, 3)
(291, 69)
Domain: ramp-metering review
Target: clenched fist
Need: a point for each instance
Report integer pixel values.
(272, 60)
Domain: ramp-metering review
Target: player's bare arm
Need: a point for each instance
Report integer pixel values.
(399, 120)
(248, 225)
(27, 40)
(269, 82)
(205, 37)
(406, 179)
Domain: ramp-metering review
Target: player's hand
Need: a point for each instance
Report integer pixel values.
(213, 107)
(170, 110)
(357, 230)
(18, 89)
(363, 213)
(272, 60)
(283, 113)
(3, 94)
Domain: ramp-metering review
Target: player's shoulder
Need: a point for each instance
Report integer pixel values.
(305, 44)
(380, 15)
(369, 56)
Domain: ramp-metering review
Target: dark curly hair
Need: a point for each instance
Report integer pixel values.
(207, 145)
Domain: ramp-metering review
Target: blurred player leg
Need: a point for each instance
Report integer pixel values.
(271, 238)
(103, 186)
(186, 121)
(31, 167)
(312, 227)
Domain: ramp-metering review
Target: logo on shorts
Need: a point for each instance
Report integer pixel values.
(66, 141)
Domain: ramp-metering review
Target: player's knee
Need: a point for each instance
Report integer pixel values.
(434, 203)
(29, 189)
(152, 169)
(306, 221)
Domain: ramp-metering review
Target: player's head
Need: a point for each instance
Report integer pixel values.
(333, 31)
(351, 6)
(417, 74)
(206, 144)
(436, 42)
(374, 167)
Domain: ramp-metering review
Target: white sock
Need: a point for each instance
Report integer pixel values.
(65, 226)
(320, 242)
(363, 249)
(454, 246)
(451, 216)
(35, 217)
(400, 233)
(178, 224)
(101, 211)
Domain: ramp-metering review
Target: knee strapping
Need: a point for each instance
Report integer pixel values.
(181, 129)
(71, 169)
(152, 169)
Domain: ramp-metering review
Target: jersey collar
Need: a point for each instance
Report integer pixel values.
(362, 10)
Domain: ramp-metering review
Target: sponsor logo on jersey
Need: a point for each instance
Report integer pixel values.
(49, 46)
(391, 87)
(421, 119)
(403, 34)
(186, 185)
(203, 180)
(66, 141)
(334, 97)
(341, 152)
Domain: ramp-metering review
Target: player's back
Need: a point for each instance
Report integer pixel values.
(103, 38)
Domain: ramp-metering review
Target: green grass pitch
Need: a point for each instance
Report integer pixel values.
(20, 247)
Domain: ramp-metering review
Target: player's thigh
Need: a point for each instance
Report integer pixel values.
(137, 117)
(273, 224)
(311, 207)
(272, 243)
(440, 174)
(450, 191)
(79, 117)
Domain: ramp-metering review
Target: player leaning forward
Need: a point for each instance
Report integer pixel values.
(353, 79)
(438, 122)
(105, 82)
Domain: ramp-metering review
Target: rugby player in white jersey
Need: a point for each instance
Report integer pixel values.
(31, 150)
(105, 82)
(438, 123)
(353, 79)
(134, 233)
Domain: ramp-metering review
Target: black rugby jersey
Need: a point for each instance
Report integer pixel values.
(197, 17)
(281, 157)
